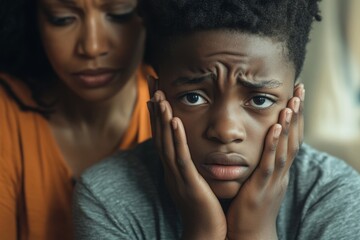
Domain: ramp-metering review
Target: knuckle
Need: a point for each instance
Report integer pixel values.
(286, 130)
(281, 162)
(273, 147)
(295, 117)
(180, 163)
(267, 171)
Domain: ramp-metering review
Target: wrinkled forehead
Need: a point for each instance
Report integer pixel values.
(235, 51)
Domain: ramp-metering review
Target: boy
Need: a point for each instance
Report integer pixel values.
(226, 160)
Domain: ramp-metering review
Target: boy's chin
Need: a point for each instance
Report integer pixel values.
(225, 189)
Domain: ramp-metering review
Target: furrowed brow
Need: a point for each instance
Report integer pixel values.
(186, 80)
(259, 85)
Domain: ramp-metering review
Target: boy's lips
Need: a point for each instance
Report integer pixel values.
(225, 166)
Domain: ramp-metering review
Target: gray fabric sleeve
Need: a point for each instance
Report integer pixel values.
(333, 216)
(334, 212)
(91, 220)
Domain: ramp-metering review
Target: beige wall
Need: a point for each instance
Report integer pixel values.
(332, 80)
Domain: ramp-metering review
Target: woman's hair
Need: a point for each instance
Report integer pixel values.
(21, 51)
(288, 21)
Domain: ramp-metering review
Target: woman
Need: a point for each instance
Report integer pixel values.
(73, 93)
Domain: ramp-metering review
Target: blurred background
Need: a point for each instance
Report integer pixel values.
(331, 76)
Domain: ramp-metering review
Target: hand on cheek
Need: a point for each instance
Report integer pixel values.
(200, 210)
(253, 212)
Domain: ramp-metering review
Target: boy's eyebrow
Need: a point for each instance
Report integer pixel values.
(187, 80)
(253, 85)
(258, 85)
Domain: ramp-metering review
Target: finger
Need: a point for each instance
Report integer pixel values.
(285, 117)
(301, 116)
(300, 93)
(266, 166)
(184, 161)
(168, 152)
(157, 122)
(294, 142)
(150, 106)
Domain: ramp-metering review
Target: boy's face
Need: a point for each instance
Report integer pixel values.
(228, 89)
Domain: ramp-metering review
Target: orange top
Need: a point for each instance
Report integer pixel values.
(36, 184)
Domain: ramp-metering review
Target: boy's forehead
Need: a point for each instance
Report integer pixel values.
(215, 42)
(230, 48)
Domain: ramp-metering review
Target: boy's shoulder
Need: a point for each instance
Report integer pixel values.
(129, 192)
(322, 192)
(315, 173)
(124, 167)
(311, 163)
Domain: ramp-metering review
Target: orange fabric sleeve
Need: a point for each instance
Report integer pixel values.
(8, 180)
(139, 128)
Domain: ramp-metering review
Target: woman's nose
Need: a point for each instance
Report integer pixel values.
(93, 40)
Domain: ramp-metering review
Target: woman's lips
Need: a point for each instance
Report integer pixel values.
(95, 78)
(225, 167)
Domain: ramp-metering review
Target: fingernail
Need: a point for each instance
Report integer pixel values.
(174, 124)
(277, 130)
(162, 106)
(296, 105)
(157, 97)
(288, 115)
(302, 95)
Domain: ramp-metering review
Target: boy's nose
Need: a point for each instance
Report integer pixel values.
(93, 39)
(226, 126)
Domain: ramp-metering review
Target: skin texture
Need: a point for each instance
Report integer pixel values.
(91, 35)
(232, 95)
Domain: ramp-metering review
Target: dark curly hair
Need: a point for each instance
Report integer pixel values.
(288, 21)
(21, 51)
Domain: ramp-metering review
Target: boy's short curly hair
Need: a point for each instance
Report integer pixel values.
(288, 21)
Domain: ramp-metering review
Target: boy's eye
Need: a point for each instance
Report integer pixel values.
(61, 21)
(193, 99)
(261, 102)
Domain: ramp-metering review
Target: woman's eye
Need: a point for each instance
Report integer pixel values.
(193, 99)
(121, 18)
(261, 102)
(61, 21)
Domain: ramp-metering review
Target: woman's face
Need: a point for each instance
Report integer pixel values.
(94, 46)
(227, 88)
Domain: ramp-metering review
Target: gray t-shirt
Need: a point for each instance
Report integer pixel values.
(124, 197)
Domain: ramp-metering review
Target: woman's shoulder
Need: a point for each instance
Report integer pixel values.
(14, 93)
(17, 117)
